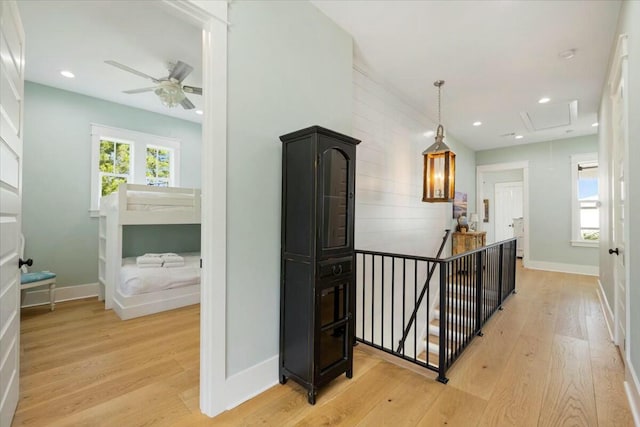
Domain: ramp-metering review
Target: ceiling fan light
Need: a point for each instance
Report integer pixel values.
(170, 94)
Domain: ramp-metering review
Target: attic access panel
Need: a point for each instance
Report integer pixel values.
(549, 116)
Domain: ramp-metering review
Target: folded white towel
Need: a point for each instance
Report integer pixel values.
(158, 265)
(172, 258)
(149, 259)
(173, 264)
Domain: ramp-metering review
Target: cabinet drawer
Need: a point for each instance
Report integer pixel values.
(335, 267)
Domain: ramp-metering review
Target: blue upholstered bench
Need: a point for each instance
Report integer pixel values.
(39, 278)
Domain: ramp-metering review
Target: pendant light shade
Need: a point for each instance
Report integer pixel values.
(439, 172)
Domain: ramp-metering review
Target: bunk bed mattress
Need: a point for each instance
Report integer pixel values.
(135, 280)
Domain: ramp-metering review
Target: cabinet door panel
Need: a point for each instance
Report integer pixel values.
(333, 346)
(335, 198)
(333, 304)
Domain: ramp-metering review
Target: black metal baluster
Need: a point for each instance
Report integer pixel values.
(393, 305)
(382, 305)
(415, 302)
(373, 297)
(364, 292)
(404, 293)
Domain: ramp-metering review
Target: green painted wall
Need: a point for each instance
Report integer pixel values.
(60, 235)
(549, 196)
(140, 239)
(290, 67)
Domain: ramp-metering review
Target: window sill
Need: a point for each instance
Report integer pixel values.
(585, 243)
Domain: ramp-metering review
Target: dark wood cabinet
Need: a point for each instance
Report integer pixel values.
(317, 294)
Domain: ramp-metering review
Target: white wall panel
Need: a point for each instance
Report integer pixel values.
(390, 213)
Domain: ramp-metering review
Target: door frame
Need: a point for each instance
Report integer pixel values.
(211, 17)
(497, 167)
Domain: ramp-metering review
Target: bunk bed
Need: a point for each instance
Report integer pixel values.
(135, 204)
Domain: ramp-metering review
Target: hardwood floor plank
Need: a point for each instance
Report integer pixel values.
(64, 405)
(156, 404)
(283, 411)
(517, 398)
(454, 408)
(569, 396)
(363, 396)
(480, 367)
(410, 400)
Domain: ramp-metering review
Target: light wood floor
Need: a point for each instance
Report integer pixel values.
(546, 360)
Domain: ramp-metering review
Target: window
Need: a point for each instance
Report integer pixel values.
(158, 166)
(115, 165)
(585, 201)
(120, 155)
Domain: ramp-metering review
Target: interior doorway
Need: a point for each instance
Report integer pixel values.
(502, 191)
(508, 206)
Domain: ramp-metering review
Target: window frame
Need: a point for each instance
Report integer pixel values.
(576, 235)
(139, 141)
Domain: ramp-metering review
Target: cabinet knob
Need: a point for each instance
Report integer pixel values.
(614, 251)
(337, 269)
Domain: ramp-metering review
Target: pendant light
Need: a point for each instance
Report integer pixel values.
(439, 172)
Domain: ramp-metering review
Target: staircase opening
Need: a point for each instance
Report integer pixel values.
(428, 310)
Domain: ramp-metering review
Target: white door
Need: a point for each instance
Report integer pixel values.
(619, 126)
(11, 95)
(508, 205)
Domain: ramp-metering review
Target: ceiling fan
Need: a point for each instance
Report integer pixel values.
(169, 89)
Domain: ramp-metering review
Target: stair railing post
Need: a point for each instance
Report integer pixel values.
(479, 286)
(500, 273)
(444, 315)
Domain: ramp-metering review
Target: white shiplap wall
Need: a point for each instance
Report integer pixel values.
(390, 215)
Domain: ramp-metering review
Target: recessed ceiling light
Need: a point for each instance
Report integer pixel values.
(595, 125)
(477, 123)
(67, 74)
(567, 54)
(199, 112)
(429, 133)
(519, 136)
(544, 100)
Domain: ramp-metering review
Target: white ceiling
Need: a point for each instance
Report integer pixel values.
(497, 57)
(80, 35)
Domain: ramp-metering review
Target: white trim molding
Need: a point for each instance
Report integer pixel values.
(252, 381)
(588, 270)
(64, 293)
(606, 309)
(632, 389)
(212, 17)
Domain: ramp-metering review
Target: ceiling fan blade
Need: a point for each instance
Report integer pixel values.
(131, 70)
(192, 89)
(144, 89)
(180, 71)
(187, 105)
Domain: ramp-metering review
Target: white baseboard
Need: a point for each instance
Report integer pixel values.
(632, 388)
(65, 293)
(606, 309)
(251, 382)
(589, 270)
